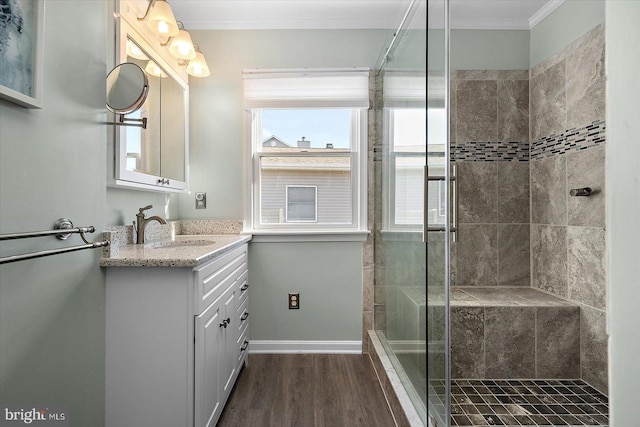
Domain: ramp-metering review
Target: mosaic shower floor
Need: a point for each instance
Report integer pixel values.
(525, 403)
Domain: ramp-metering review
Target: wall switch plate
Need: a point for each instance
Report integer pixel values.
(294, 301)
(201, 200)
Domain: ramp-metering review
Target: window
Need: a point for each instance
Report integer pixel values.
(405, 153)
(405, 168)
(308, 138)
(302, 203)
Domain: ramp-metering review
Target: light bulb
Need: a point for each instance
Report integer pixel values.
(163, 27)
(154, 69)
(182, 47)
(134, 51)
(198, 66)
(161, 20)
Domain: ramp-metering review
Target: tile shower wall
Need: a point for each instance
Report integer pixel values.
(490, 145)
(567, 106)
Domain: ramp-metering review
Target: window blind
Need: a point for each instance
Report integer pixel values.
(405, 89)
(301, 89)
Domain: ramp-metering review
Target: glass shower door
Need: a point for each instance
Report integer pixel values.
(411, 263)
(437, 214)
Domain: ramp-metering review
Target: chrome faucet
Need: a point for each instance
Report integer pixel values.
(141, 222)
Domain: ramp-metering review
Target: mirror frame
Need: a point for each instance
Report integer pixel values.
(139, 180)
(139, 102)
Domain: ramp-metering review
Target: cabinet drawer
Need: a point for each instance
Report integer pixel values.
(243, 316)
(243, 290)
(243, 346)
(212, 279)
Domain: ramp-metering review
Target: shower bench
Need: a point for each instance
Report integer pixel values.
(513, 332)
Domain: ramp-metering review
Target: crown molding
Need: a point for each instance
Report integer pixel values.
(545, 11)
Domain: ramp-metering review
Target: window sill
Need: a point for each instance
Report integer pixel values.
(398, 235)
(280, 236)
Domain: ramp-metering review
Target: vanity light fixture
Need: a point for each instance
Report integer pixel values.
(197, 67)
(154, 69)
(181, 45)
(135, 52)
(160, 20)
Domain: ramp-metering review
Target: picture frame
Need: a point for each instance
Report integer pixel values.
(21, 52)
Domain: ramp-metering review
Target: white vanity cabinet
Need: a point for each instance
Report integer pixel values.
(176, 339)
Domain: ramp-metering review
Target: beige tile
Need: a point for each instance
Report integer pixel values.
(586, 274)
(477, 185)
(513, 255)
(594, 348)
(586, 168)
(558, 342)
(510, 342)
(513, 110)
(513, 192)
(586, 79)
(549, 191)
(477, 255)
(548, 108)
(477, 111)
(549, 259)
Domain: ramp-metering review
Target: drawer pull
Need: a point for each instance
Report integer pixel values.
(225, 323)
(244, 346)
(244, 316)
(244, 287)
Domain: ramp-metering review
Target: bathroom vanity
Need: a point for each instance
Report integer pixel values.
(176, 330)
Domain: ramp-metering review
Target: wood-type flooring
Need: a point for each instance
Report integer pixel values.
(307, 390)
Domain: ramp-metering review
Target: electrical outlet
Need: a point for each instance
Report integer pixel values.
(201, 200)
(294, 301)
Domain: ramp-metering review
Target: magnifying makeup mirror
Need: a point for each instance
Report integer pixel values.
(127, 90)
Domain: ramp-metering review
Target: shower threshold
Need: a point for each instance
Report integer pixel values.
(525, 403)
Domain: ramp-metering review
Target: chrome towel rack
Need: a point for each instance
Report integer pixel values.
(62, 229)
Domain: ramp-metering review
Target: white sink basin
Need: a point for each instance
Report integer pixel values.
(183, 243)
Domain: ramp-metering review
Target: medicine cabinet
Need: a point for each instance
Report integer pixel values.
(156, 157)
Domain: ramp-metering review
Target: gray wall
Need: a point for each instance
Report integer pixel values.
(328, 277)
(219, 148)
(623, 176)
(53, 164)
(489, 50)
(219, 151)
(480, 49)
(569, 21)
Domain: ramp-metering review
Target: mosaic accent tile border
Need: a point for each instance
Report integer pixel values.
(573, 139)
(490, 151)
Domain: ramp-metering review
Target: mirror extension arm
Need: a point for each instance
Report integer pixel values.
(127, 90)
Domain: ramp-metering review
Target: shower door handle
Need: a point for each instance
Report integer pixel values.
(425, 204)
(453, 200)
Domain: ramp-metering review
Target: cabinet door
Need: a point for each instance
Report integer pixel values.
(230, 338)
(209, 351)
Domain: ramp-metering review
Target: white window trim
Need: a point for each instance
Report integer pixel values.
(389, 177)
(356, 231)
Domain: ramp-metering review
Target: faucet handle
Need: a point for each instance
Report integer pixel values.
(145, 208)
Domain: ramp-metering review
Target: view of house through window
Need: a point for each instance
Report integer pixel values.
(407, 158)
(309, 145)
(306, 159)
(302, 203)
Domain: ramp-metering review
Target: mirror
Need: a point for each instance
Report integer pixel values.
(153, 156)
(127, 88)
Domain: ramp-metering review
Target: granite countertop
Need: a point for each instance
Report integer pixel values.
(180, 251)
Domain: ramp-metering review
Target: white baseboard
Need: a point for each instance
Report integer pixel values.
(308, 347)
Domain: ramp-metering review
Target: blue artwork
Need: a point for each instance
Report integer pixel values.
(18, 45)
